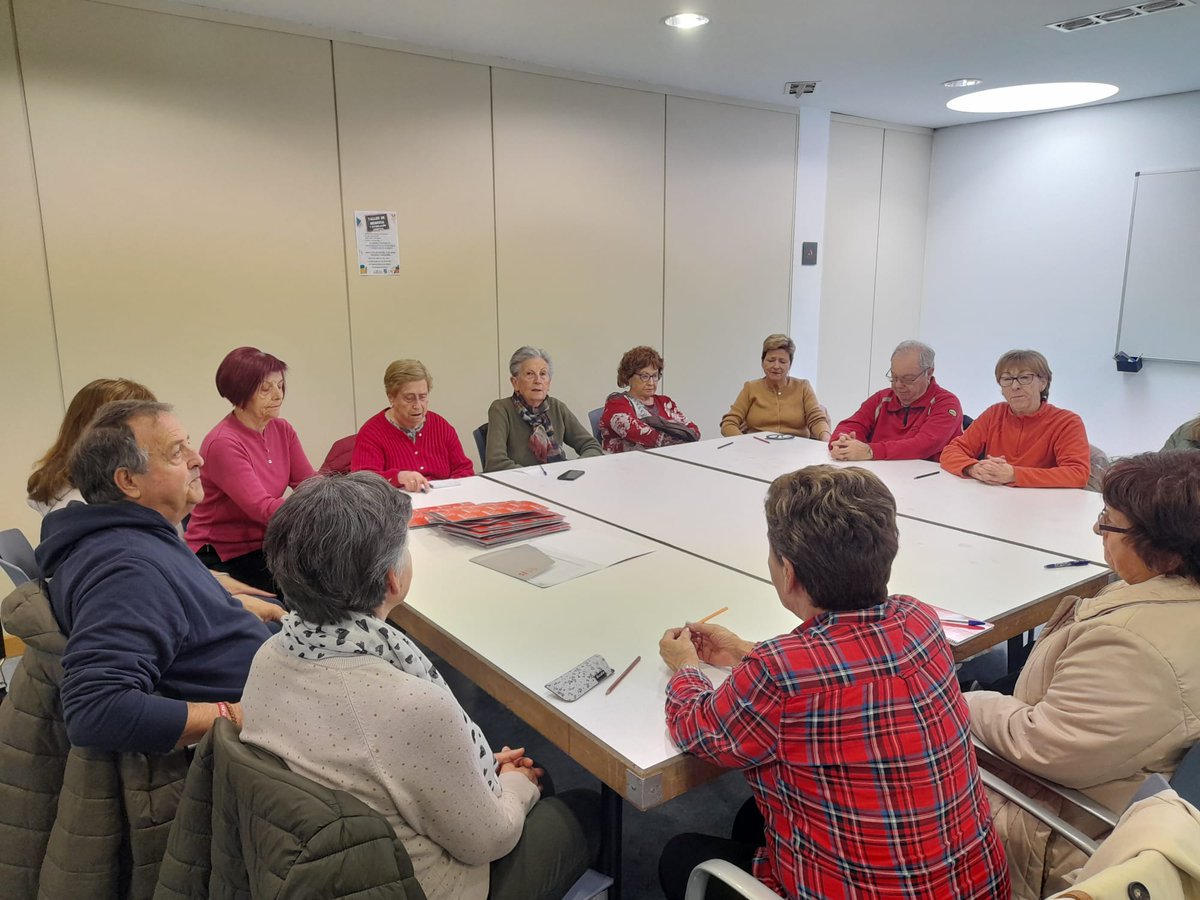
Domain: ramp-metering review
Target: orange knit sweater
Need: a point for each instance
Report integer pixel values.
(1046, 449)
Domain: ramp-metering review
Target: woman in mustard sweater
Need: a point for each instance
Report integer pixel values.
(1024, 441)
(776, 402)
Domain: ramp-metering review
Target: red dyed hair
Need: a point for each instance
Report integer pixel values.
(243, 370)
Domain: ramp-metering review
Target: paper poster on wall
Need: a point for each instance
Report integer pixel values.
(378, 243)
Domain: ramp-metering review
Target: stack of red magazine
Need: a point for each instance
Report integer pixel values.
(492, 524)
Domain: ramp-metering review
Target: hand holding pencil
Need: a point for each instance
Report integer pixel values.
(717, 645)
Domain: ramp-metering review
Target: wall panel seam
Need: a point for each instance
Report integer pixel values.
(337, 140)
(495, 231)
(37, 194)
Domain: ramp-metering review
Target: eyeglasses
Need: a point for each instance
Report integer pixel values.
(1008, 380)
(640, 376)
(904, 379)
(1102, 524)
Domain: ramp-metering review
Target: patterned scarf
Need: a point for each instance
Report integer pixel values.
(541, 430)
(366, 635)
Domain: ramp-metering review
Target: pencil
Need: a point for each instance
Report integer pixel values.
(723, 446)
(629, 668)
(926, 475)
(764, 440)
(712, 615)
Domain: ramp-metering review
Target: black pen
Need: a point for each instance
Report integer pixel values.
(723, 446)
(1067, 564)
(927, 474)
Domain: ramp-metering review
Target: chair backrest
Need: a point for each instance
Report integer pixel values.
(296, 837)
(1186, 780)
(1100, 464)
(480, 435)
(594, 417)
(966, 421)
(16, 573)
(338, 457)
(16, 552)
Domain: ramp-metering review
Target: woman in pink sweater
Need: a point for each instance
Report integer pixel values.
(251, 458)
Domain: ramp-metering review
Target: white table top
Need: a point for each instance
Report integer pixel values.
(534, 634)
(719, 516)
(1055, 520)
(757, 457)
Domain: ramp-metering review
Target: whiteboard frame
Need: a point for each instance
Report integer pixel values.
(1125, 275)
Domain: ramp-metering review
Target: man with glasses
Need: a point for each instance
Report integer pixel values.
(913, 419)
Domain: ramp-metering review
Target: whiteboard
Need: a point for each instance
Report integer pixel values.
(1160, 301)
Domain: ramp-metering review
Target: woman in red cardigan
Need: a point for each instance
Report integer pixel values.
(406, 443)
(1024, 441)
(640, 416)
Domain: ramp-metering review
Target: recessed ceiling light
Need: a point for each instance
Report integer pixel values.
(962, 82)
(686, 20)
(1032, 97)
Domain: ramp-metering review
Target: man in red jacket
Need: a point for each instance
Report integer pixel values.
(913, 419)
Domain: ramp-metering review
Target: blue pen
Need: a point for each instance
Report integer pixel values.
(1067, 564)
(968, 623)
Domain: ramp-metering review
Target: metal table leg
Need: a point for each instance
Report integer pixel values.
(612, 808)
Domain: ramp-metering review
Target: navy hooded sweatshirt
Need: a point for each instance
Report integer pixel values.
(148, 627)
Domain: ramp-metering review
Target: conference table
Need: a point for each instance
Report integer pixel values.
(691, 520)
(1055, 520)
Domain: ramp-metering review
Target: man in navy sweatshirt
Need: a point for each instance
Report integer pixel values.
(156, 648)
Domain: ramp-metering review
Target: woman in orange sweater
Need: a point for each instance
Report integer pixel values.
(1024, 441)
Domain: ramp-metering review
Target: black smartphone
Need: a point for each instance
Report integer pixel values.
(570, 474)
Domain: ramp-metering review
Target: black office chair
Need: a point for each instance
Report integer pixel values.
(480, 435)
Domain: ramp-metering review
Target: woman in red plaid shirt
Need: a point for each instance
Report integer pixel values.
(851, 729)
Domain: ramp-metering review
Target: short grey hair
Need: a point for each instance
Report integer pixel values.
(525, 353)
(332, 543)
(924, 360)
(109, 444)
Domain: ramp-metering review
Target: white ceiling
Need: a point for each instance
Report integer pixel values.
(881, 59)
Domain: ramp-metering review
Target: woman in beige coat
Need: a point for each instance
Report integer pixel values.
(1111, 691)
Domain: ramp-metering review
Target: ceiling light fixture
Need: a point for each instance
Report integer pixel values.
(1032, 97)
(686, 20)
(962, 82)
(1124, 14)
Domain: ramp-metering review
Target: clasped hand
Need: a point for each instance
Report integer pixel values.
(515, 760)
(848, 447)
(992, 470)
(695, 643)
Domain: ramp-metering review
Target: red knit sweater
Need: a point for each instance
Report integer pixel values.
(1047, 449)
(436, 453)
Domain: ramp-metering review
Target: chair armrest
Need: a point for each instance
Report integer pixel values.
(1035, 809)
(739, 880)
(1078, 799)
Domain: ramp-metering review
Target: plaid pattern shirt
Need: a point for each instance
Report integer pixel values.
(854, 738)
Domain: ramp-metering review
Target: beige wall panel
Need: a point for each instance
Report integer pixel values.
(900, 265)
(189, 185)
(33, 401)
(848, 283)
(579, 226)
(416, 138)
(729, 213)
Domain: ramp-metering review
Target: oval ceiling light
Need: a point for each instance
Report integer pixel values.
(962, 82)
(1032, 97)
(686, 20)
